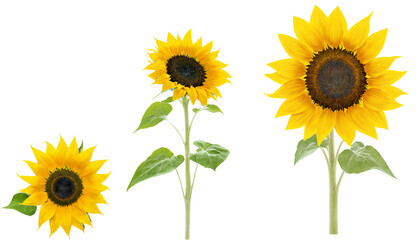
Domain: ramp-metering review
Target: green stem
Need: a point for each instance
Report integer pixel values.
(333, 184)
(187, 198)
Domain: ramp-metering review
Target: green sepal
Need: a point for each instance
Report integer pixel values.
(360, 158)
(15, 204)
(156, 113)
(209, 155)
(160, 162)
(307, 147)
(210, 107)
(81, 147)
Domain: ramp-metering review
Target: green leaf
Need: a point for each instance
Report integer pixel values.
(210, 107)
(81, 147)
(307, 147)
(360, 158)
(155, 114)
(17, 199)
(160, 162)
(209, 155)
(168, 100)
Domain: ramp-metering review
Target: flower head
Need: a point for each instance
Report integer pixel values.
(66, 184)
(187, 68)
(334, 78)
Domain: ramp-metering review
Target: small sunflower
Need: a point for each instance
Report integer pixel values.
(187, 68)
(66, 184)
(334, 78)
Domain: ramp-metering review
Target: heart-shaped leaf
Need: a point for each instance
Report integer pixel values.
(360, 158)
(160, 162)
(209, 155)
(155, 114)
(15, 204)
(168, 100)
(210, 107)
(307, 147)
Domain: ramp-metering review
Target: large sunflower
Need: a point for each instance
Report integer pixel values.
(334, 78)
(66, 184)
(187, 68)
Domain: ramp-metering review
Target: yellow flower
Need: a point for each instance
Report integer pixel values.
(66, 184)
(187, 68)
(334, 78)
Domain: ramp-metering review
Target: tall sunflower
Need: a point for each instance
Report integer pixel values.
(187, 68)
(66, 184)
(334, 78)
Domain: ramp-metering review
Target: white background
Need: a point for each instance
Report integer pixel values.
(74, 68)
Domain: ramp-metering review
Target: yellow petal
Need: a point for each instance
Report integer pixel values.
(77, 224)
(377, 99)
(196, 47)
(386, 79)
(289, 68)
(73, 148)
(86, 155)
(372, 47)
(187, 41)
(46, 212)
(54, 223)
(33, 180)
(36, 199)
(361, 119)
(33, 189)
(318, 20)
(393, 92)
(357, 34)
(203, 52)
(378, 66)
(167, 85)
(171, 39)
(92, 168)
(201, 95)
(97, 198)
(307, 34)
(192, 94)
(87, 205)
(325, 125)
(378, 118)
(299, 120)
(39, 155)
(80, 215)
(312, 123)
(296, 49)
(345, 127)
(36, 168)
(65, 219)
(336, 28)
(50, 149)
(289, 89)
(294, 105)
(178, 93)
(277, 78)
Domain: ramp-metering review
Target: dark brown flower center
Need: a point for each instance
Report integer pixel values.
(186, 71)
(335, 79)
(64, 187)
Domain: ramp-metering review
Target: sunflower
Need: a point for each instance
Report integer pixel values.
(66, 184)
(334, 78)
(187, 68)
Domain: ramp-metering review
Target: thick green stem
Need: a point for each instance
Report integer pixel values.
(188, 189)
(333, 184)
